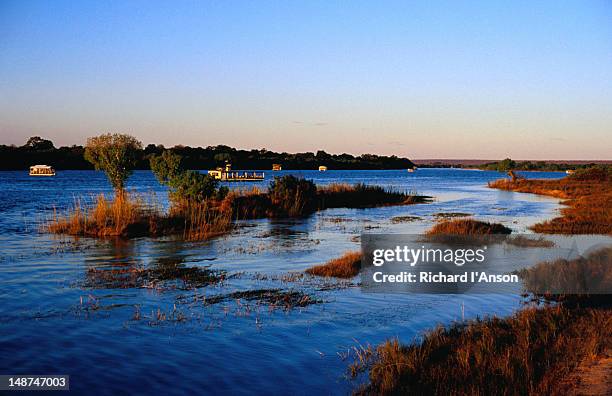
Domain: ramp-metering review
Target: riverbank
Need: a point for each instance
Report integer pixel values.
(587, 194)
(532, 352)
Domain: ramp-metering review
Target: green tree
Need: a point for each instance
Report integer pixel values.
(115, 154)
(38, 144)
(185, 185)
(506, 165)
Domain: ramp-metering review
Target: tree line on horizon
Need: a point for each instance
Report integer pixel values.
(38, 150)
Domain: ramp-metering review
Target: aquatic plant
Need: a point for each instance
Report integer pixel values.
(131, 216)
(115, 154)
(339, 195)
(468, 227)
(346, 266)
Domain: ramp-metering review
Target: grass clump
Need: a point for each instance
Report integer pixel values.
(528, 353)
(588, 194)
(468, 227)
(346, 266)
(131, 217)
(363, 196)
(291, 196)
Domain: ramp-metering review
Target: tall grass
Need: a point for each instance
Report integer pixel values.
(346, 266)
(528, 353)
(361, 195)
(468, 227)
(132, 216)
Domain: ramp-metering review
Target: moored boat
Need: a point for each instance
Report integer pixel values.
(42, 170)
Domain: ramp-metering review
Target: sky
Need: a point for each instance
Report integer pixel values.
(429, 79)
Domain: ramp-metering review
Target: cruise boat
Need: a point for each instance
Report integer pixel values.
(226, 174)
(42, 170)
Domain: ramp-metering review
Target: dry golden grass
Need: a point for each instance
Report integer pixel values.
(346, 266)
(526, 354)
(468, 227)
(588, 195)
(580, 276)
(129, 217)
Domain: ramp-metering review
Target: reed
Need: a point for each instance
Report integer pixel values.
(133, 216)
(363, 196)
(468, 227)
(346, 266)
(529, 353)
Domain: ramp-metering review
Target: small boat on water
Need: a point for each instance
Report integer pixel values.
(322, 168)
(42, 170)
(570, 171)
(226, 174)
(277, 167)
(411, 170)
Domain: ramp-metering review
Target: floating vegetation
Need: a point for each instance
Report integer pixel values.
(274, 298)
(450, 215)
(165, 274)
(405, 219)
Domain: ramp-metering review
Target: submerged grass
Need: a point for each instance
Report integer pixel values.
(587, 193)
(346, 266)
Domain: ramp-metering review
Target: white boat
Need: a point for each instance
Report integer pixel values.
(42, 170)
(322, 168)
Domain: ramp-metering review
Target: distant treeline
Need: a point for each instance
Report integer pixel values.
(508, 164)
(42, 151)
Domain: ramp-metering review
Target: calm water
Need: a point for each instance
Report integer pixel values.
(61, 315)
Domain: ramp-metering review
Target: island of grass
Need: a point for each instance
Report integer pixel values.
(200, 208)
(468, 227)
(346, 266)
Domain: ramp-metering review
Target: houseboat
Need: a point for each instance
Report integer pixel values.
(322, 168)
(227, 174)
(42, 170)
(277, 167)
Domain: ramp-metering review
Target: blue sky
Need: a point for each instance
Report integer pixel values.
(431, 79)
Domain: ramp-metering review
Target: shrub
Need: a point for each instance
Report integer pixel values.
(292, 196)
(185, 185)
(115, 154)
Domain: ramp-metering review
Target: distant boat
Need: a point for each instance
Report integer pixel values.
(570, 171)
(322, 168)
(228, 175)
(42, 170)
(411, 170)
(277, 167)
